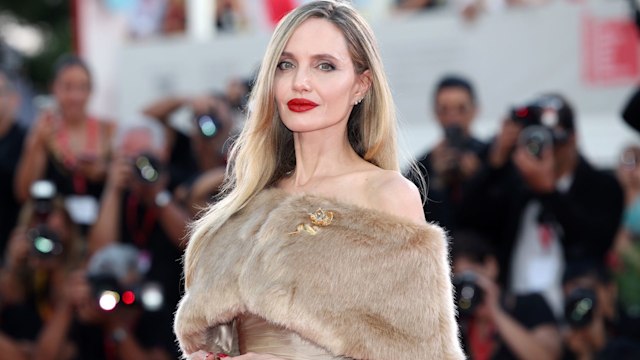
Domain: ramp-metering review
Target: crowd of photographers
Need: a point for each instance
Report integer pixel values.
(94, 218)
(545, 247)
(545, 250)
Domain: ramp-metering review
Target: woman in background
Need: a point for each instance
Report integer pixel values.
(66, 144)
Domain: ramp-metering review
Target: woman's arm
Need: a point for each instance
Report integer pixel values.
(33, 162)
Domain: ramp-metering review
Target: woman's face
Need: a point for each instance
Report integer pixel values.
(72, 88)
(315, 83)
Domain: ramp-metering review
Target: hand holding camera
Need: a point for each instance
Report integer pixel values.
(537, 172)
(453, 158)
(474, 290)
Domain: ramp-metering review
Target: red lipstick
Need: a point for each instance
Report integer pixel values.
(301, 105)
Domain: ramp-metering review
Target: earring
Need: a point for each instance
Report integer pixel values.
(357, 102)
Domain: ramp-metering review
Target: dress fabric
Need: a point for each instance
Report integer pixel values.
(260, 336)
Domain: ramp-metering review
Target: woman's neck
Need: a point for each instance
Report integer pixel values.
(74, 121)
(319, 157)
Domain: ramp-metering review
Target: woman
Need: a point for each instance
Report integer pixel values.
(67, 145)
(319, 248)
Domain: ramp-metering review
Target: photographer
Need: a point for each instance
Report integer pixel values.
(44, 250)
(197, 161)
(542, 200)
(103, 314)
(454, 161)
(137, 208)
(496, 324)
(590, 313)
(203, 148)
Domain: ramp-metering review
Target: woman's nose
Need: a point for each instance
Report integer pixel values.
(301, 80)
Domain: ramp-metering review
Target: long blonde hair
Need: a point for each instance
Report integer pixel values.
(264, 152)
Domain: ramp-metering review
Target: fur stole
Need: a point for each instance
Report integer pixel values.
(367, 286)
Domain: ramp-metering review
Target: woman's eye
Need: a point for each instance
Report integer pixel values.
(284, 65)
(326, 67)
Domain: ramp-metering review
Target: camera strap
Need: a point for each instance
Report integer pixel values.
(140, 231)
(69, 159)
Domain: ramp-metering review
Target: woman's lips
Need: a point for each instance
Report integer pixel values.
(301, 105)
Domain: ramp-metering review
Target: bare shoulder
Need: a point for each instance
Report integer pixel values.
(391, 192)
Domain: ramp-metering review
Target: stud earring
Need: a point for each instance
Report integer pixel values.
(357, 102)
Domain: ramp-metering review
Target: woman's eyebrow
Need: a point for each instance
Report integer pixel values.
(327, 56)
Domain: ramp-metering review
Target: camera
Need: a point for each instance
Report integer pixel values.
(579, 307)
(527, 115)
(549, 112)
(45, 242)
(208, 124)
(455, 137)
(147, 167)
(116, 278)
(535, 139)
(468, 293)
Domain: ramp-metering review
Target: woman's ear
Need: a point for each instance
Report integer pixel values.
(363, 84)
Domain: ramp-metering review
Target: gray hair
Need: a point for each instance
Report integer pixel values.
(143, 124)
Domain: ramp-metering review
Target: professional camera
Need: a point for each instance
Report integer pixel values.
(550, 112)
(116, 278)
(209, 125)
(147, 167)
(468, 293)
(579, 307)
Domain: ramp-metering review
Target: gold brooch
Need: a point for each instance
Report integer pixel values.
(321, 217)
(318, 219)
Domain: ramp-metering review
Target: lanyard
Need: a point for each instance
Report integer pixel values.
(482, 348)
(140, 233)
(70, 160)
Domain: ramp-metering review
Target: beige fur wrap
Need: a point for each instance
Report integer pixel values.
(367, 286)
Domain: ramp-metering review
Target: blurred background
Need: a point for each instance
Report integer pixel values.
(141, 50)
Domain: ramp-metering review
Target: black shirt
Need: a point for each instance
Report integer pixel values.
(445, 202)
(10, 152)
(529, 311)
(93, 343)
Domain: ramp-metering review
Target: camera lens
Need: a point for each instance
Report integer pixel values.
(468, 294)
(45, 241)
(535, 139)
(208, 125)
(147, 168)
(579, 307)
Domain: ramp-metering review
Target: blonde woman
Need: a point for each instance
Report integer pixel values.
(318, 248)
